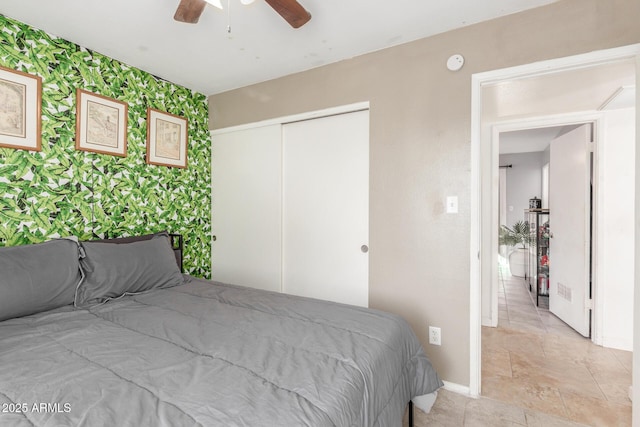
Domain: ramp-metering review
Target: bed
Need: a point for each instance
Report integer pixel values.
(112, 333)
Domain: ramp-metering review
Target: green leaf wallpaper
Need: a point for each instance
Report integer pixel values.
(61, 191)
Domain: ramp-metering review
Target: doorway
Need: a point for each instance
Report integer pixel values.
(551, 389)
(553, 257)
(484, 198)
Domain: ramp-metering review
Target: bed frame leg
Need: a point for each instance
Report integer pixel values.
(410, 413)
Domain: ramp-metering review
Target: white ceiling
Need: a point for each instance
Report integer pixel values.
(609, 85)
(528, 140)
(584, 89)
(261, 46)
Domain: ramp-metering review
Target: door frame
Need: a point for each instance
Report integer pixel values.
(341, 109)
(568, 119)
(481, 166)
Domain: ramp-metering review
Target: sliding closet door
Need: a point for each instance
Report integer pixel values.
(326, 208)
(246, 207)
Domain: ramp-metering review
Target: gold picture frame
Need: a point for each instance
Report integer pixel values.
(20, 110)
(101, 124)
(167, 139)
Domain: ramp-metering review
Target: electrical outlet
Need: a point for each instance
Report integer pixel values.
(435, 336)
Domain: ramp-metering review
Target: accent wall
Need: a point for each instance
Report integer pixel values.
(61, 191)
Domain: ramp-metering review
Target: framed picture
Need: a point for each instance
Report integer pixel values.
(166, 139)
(20, 110)
(101, 124)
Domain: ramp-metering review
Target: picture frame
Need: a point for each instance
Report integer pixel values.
(20, 110)
(167, 139)
(101, 124)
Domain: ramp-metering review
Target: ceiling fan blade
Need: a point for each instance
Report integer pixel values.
(291, 11)
(189, 11)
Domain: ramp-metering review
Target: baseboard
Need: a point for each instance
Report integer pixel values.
(457, 388)
(488, 321)
(617, 343)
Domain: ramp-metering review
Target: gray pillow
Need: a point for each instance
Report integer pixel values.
(115, 269)
(38, 277)
(130, 239)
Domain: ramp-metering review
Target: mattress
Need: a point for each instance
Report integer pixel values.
(210, 354)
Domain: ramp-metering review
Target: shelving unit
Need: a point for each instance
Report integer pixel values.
(538, 259)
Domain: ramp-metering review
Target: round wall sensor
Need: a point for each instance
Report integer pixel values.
(455, 62)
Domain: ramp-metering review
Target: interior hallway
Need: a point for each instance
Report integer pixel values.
(538, 372)
(534, 360)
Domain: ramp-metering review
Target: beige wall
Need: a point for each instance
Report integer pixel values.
(420, 147)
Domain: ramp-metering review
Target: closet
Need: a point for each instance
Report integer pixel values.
(290, 206)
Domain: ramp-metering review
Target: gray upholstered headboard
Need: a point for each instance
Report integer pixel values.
(176, 243)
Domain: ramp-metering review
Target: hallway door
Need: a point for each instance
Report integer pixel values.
(570, 226)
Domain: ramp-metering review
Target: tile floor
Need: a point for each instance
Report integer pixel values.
(455, 410)
(536, 371)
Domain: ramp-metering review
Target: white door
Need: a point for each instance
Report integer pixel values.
(246, 207)
(326, 208)
(569, 213)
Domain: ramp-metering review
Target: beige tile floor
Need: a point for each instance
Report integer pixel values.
(536, 371)
(456, 410)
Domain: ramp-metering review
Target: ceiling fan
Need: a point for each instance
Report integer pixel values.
(189, 11)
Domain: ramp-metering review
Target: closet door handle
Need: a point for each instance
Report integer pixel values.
(364, 249)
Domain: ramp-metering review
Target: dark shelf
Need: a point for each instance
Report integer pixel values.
(538, 274)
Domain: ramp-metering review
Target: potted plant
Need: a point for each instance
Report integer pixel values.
(517, 237)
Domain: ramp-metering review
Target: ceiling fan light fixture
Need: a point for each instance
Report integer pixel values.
(216, 3)
(189, 11)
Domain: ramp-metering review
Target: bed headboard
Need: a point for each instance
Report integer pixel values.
(178, 248)
(176, 244)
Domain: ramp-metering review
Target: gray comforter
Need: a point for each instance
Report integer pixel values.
(213, 355)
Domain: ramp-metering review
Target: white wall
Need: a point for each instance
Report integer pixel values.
(616, 250)
(524, 182)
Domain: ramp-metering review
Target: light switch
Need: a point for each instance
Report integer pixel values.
(452, 204)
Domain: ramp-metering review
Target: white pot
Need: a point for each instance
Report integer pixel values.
(518, 262)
